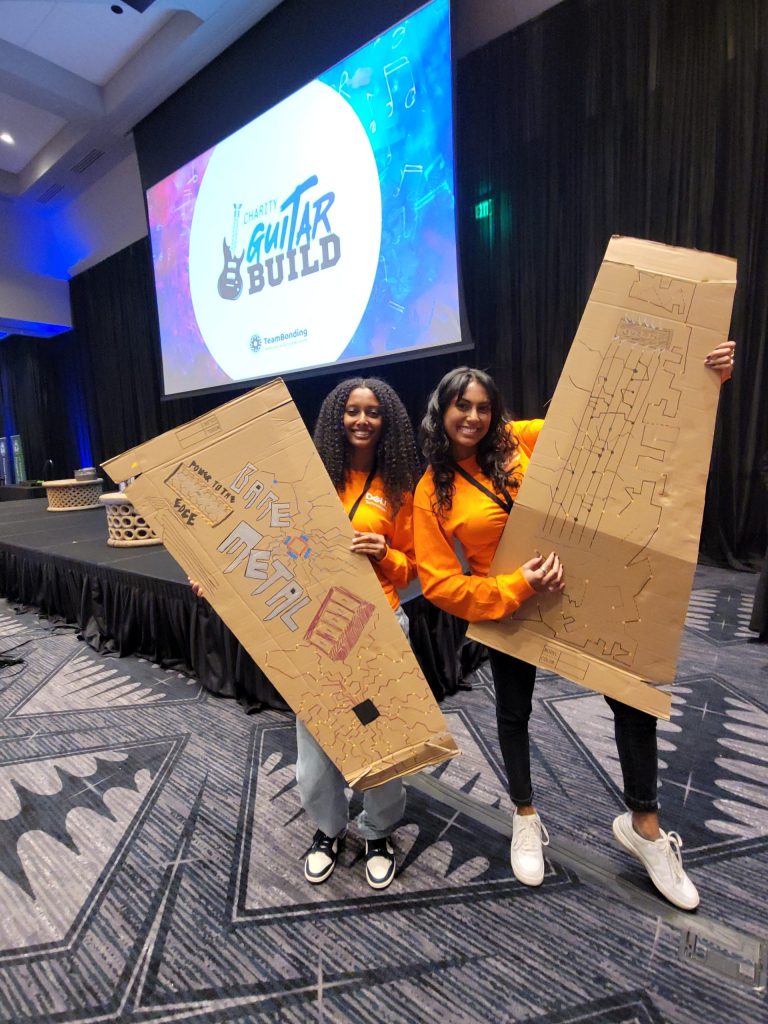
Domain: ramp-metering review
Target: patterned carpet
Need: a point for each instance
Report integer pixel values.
(151, 848)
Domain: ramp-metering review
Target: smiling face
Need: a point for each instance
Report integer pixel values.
(467, 419)
(363, 419)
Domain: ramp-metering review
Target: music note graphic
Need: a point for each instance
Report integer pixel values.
(230, 282)
(432, 194)
(407, 169)
(395, 71)
(344, 80)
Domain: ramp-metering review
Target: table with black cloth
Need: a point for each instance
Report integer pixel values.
(15, 492)
(138, 601)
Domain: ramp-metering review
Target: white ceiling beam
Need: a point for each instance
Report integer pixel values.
(25, 76)
(48, 157)
(134, 86)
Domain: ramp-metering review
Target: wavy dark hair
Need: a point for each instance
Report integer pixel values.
(493, 452)
(397, 459)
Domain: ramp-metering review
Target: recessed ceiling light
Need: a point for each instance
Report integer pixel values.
(7, 137)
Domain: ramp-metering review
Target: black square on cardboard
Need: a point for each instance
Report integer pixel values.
(366, 711)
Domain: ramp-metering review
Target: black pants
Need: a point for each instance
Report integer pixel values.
(635, 736)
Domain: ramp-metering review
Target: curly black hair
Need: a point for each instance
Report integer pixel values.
(397, 460)
(493, 452)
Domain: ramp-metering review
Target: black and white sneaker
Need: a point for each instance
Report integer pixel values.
(320, 858)
(380, 864)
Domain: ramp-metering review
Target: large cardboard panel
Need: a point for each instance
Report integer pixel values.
(617, 481)
(242, 501)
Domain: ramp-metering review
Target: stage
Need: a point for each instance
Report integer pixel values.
(136, 601)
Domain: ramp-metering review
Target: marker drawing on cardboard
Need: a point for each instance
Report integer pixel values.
(617, 481)
(242, 501)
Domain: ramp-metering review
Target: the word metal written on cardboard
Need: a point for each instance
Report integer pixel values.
(617, 481)
(244, 504)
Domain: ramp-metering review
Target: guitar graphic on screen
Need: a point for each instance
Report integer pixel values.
(230, 281)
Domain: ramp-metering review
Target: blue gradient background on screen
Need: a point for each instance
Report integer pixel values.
(400, 88)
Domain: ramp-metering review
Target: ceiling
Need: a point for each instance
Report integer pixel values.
(77, 75)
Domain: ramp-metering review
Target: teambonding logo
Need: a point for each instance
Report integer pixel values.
(295, 337)
(285, 222)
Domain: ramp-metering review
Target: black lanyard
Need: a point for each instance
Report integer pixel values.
(361, 495)
(506, 505)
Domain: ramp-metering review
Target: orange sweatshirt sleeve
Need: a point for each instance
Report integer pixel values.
(527, 433)
(399, 563)
(474, 598)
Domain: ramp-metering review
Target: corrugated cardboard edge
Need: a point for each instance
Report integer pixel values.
(133, 462)
(602, 677)
(659, 258)
(417, 757)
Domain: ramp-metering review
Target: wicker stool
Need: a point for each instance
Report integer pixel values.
(72, 495)
(127, 529)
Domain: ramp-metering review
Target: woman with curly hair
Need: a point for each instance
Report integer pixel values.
(365, 439)
(477, 460)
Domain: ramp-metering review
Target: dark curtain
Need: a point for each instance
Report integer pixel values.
(118, 362)
(616, 117)
(759, 619)
(39, 404)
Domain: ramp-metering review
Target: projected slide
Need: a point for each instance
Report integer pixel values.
(323, 231)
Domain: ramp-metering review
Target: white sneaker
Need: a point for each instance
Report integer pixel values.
(380, 863)
(528, 837)
(661, 859)
(320, 859)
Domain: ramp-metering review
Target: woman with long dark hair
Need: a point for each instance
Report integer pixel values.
(365, 439)
(477, 459)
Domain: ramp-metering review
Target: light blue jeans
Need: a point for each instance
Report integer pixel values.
(322, 787)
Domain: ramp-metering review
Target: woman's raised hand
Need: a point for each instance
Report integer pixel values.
(722, 358)
(372, 544)
(545, 574)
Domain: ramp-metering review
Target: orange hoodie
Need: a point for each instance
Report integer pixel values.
(476, 522)
(374, 515)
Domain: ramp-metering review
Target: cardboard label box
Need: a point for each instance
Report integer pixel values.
(242, 501)
(617, 481)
